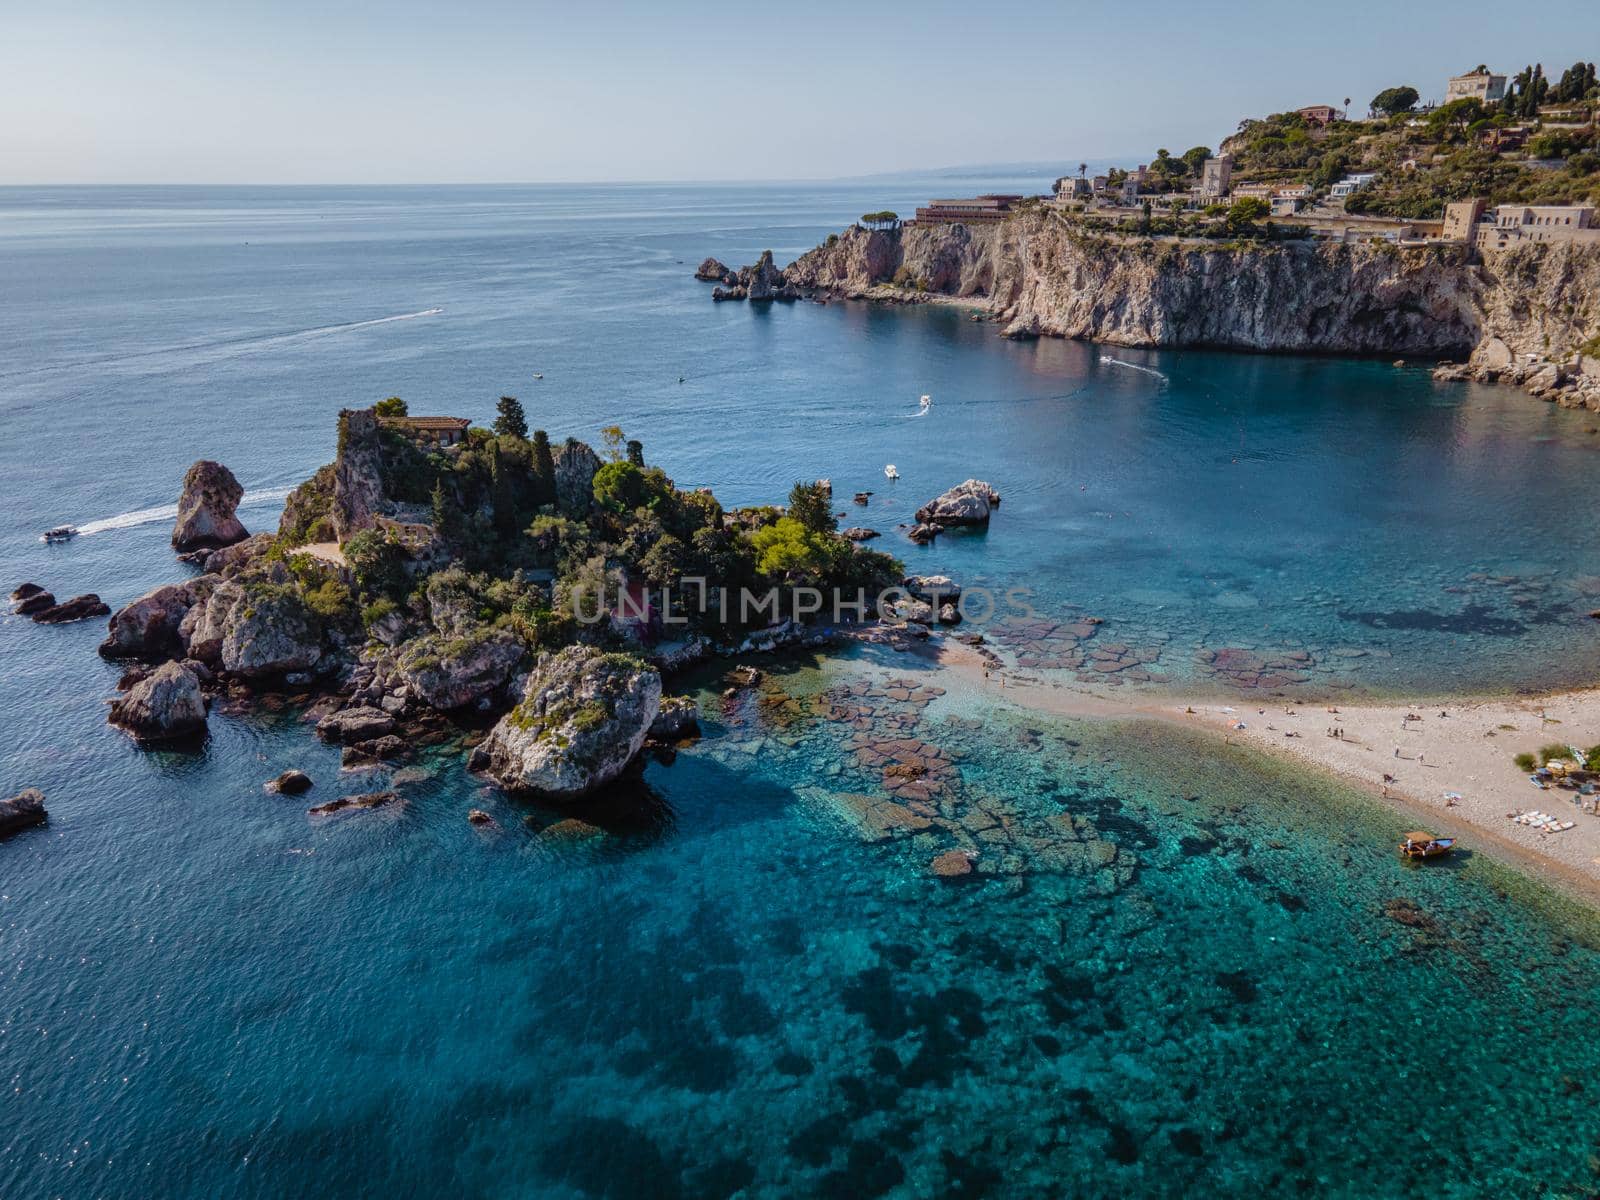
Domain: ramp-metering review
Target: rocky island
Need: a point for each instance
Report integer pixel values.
(436, 578)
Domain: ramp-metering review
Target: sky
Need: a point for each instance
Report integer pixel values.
(473, 91)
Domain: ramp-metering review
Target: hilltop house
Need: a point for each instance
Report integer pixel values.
(1320, 115)
(1351, 184)
(429, 432)
(1479, 85)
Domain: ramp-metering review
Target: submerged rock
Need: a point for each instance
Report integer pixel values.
(164, 706)
(22, 811)
(583, 717)
(206, 508)
(968, 503)
(363, 800)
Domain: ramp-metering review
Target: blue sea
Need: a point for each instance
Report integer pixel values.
(1178, 969)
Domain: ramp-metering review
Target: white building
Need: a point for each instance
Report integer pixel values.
(1351, 184)
(1491, 89)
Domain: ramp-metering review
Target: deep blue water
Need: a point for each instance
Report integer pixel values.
(1177, 968)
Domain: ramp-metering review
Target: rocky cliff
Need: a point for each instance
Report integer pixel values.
(1037, 274)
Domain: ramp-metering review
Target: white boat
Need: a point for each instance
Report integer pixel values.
(925, 402)
(891, 472)
(61, 533)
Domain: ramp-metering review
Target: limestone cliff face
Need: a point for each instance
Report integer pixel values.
(1038, 275)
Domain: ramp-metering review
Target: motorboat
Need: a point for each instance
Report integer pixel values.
(1418, 844)
(61, 533)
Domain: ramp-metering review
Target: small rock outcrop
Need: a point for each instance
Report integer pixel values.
(712, 271)
(759, 283)
(291, 783)
(22, 811)
(968, 503)
(79, 608)
(165, 706)
(205, 510)
(583, 717)
(858, 533)
(935, 589)
(677, 718)
(147, 628)
(352, 725)
(30, 598)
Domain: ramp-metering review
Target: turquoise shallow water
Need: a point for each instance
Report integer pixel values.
(1175, 969)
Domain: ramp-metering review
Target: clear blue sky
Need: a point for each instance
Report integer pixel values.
(237, 91)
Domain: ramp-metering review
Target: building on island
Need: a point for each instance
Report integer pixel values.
(1320, 115)
(429, 432)
(1215, 176)
(1479, 85)
(991, 207)
(1072, 187)
(1511, 224)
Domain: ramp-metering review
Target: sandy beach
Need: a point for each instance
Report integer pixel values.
(1411, 756)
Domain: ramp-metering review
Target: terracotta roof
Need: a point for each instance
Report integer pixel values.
(429, 423)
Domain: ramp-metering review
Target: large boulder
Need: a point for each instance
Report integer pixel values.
(231, 560)
(206, 508)
(576, 466)
(21, 811)
(763, 281)
(148, 627)
(451, 673)
(165, 706)
(968, 503)
(31, 599)
(583, 717)
(255, 629)
(935, 589)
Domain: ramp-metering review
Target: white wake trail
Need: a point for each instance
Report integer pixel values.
(169, 512)
(1117, 362)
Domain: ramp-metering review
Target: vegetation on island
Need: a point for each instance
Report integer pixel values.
(510, 535)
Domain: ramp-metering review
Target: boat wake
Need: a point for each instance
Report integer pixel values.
(192, 353)
(1117, 362)
(169, 512)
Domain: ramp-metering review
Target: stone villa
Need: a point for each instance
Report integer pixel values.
(429, 432)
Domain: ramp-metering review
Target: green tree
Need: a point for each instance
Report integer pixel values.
(1195, 158)
(510, 420)
(621, 487)
(812, 505)
(1395, 100)
(1244, 212)
(376, 562)
(614, 441)
(392, 407)
(544, 470)
(444, 512)
(789, 550)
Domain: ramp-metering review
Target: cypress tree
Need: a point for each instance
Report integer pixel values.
(544, 469)
(511, 421)
(636, 452)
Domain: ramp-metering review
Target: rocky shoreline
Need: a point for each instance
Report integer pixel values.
(1521, 315)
